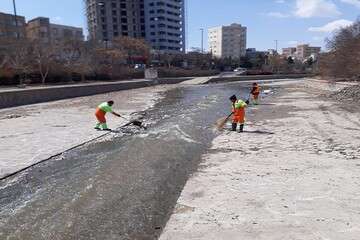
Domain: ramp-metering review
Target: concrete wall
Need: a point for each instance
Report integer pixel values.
(257, 77)
(172, 80)
(18, 97)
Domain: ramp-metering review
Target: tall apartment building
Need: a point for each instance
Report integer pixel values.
(228, 41)
(41, 29)
(8, 28)
(165, 24)
(305, 50)
(108, 19)
(160, 22)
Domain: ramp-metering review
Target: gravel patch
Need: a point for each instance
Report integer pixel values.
(348, 94)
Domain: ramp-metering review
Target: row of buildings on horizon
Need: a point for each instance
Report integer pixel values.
(301, 51)
(231, 42)
(36, 29)
(161, 23)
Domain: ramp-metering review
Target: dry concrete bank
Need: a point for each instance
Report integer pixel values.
(35, 132)
(295, 174)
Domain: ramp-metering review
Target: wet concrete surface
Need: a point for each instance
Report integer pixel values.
(123, 187)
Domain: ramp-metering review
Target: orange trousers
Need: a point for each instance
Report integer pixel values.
(239, 116)
(100, 115)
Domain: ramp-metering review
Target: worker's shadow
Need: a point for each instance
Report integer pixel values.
(259, 132)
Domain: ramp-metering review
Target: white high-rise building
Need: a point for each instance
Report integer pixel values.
(165, 25)
(161, 23)
(228, 41)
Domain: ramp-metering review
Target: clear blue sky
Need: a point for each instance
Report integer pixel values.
(289, 21)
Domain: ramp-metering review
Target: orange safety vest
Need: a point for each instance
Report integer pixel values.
(238, 108)
(255, 90)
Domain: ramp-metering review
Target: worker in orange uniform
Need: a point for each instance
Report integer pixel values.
(238, 109)
(255, 92)
(100, 113)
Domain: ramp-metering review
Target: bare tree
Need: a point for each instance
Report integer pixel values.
(18, 57)
(343, 58)
(87, 61)
(44, 57)
(133, 48)
(168, 59)
(2, 60)
(198, 60)
(70, 55)
(110, 60)
(276, 63)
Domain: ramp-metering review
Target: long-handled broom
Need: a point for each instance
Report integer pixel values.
(222, 121)
(248, 100)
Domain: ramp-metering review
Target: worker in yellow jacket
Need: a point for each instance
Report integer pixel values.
(238, 109)
(100, 113)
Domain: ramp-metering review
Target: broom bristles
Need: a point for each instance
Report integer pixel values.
(221, 123)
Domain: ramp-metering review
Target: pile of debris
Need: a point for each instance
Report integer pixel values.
(348, 94)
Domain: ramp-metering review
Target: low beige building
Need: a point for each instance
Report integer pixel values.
(61, 32)
(41, 29)
(289, 52)
(305, 50)
(301, 52)
(11, 29)
(228, 41)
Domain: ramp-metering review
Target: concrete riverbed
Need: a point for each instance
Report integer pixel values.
(122, 186)
(292, 175)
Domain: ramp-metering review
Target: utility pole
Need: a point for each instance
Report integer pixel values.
(276, 45)
(157, 35)
(157, 40)
(16, 21)
(202, 40)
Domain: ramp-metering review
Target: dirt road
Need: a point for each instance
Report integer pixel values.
(295, 174)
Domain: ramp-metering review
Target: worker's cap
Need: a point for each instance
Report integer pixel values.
(233, 97)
